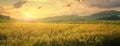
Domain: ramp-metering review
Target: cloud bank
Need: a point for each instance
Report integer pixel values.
(19, 4)
(102, 3)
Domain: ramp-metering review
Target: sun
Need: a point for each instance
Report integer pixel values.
(28, 14)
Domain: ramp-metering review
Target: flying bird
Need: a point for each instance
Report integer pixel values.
(68, 5)
(79, 1)
(39, 7)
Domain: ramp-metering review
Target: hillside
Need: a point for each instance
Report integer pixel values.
(104, 15)
(4, 18)
(64, 18)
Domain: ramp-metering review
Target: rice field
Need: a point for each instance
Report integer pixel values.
(49, 34)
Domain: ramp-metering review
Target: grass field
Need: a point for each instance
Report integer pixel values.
(41, 34)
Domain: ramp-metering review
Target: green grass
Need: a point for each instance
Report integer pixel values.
(48, 34)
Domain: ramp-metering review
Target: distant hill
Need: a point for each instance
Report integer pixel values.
(64, 18)
(104, 15)
(4, 18)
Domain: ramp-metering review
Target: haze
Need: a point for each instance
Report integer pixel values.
(35, 9)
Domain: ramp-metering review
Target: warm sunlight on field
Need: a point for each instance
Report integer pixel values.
(39, 34)
(59, 22)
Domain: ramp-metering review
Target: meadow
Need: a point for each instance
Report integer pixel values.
(52, 34)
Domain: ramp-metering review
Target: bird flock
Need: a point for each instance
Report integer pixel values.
(20, 3)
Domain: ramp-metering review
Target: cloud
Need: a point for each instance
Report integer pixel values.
(103, 3)
(19, 4)
(2, 10)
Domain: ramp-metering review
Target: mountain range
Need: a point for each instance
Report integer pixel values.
(4, 18)
(104, 15)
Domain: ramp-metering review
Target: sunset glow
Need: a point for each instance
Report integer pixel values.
(34, 9)
(59, 22)
(27, 14)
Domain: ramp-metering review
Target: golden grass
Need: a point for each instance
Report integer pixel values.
(41, 34)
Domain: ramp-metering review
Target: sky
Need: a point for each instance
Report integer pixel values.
(35, 9)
